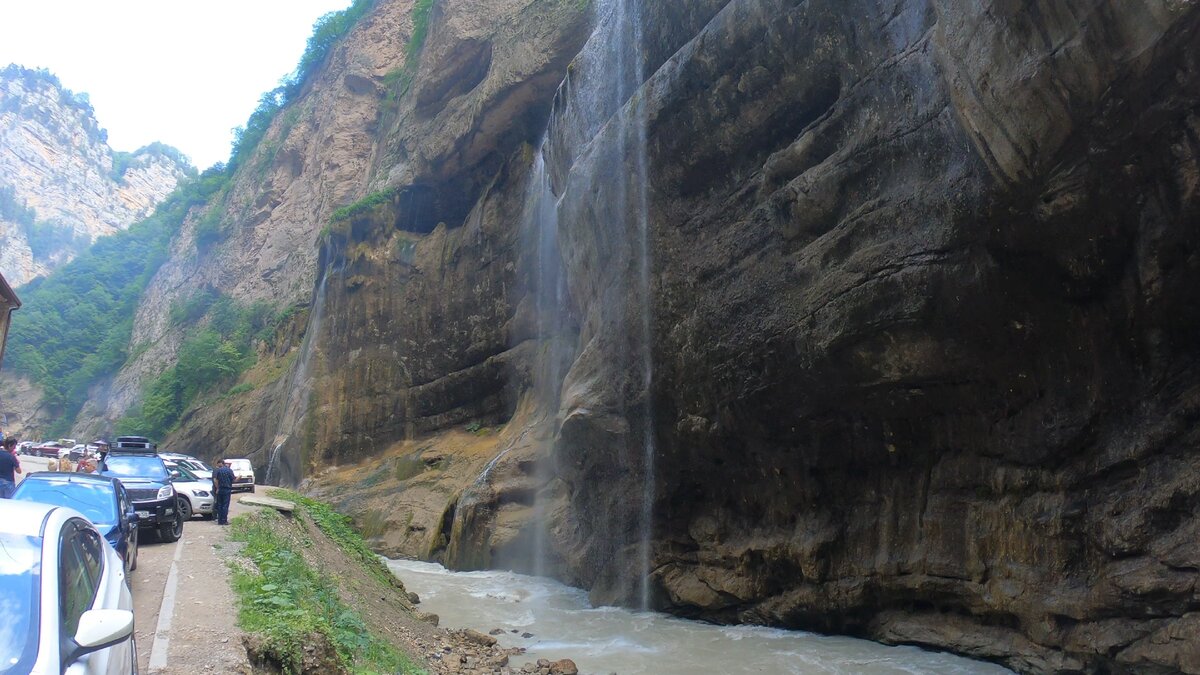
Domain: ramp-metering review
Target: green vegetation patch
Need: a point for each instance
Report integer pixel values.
(339, 528)
(363, 205)
(420, 16)
(213, 354)
(286, 601)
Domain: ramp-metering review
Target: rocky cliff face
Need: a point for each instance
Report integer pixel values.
(868, 316)
(57, 170)
(920, 279)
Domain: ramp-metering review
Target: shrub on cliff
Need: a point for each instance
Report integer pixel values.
(327, 31)
(213, 354)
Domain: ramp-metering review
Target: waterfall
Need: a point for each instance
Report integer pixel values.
(599, 169)
(553, 329)
(298, 386)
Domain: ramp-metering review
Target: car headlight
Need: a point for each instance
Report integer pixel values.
(166, 492)
(200, 493)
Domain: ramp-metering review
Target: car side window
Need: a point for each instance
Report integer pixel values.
(122, 502)
(80, 564)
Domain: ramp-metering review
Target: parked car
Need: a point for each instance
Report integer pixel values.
(74, 454)
(148, 482)
(202, 470)
(194, 494)
(243, 474)
(65, 602)
(101, 499)
(48, 449)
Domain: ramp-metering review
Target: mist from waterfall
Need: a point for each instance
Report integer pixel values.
(600, 167)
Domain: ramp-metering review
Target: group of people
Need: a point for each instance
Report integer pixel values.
(86, 464)
(10, 464)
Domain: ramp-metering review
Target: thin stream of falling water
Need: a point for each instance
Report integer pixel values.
(542, 209)
(641, 203)
(598, 143)
(299, 384)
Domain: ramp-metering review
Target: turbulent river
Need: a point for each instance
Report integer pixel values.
(613, 640)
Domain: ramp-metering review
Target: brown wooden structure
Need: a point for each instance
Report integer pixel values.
(8, 303)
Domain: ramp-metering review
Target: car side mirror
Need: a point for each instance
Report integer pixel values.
(175, 475)
(100, 629)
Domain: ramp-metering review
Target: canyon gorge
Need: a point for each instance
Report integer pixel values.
(874, 317)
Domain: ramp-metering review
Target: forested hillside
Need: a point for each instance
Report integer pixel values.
(74, 331)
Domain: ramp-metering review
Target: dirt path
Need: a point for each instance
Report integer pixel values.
(187, 624)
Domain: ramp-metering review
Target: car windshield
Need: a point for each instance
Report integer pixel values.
(185, 474)
(239, 464)
(135, 466)
(94, 499)
(20, 584)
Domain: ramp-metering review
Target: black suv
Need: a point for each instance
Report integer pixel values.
(134, 460)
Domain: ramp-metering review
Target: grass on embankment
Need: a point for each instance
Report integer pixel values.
(289, 604)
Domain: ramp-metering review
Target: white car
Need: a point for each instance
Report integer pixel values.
(196, 466)
(64, 599)
(193, 494)
(243, 474)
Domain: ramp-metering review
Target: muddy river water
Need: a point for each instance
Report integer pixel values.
(612, 640)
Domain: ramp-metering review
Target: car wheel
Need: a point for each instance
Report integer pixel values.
(171, 531)
(185, 508)
(251, 489)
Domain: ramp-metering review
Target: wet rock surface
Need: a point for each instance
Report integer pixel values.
(921, 279)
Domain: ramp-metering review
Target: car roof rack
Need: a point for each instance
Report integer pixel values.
(132, 444)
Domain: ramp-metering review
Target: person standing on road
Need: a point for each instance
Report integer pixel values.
(222, 490)
(9, 467)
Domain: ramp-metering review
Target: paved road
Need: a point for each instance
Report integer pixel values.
(31, 464)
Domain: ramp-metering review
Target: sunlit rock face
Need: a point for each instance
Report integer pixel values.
(55, 161)
(920, 309)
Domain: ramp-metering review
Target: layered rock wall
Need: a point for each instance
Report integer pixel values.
(55, 160)
(921, 277)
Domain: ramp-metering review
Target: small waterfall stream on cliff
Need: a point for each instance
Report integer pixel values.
(609, 639)
(299, 384)
(599, 131)
(553, 329)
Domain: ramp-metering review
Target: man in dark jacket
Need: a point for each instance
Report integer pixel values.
(9, 467)
(222, 490)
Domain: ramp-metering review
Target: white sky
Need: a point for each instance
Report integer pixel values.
(184, 72)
